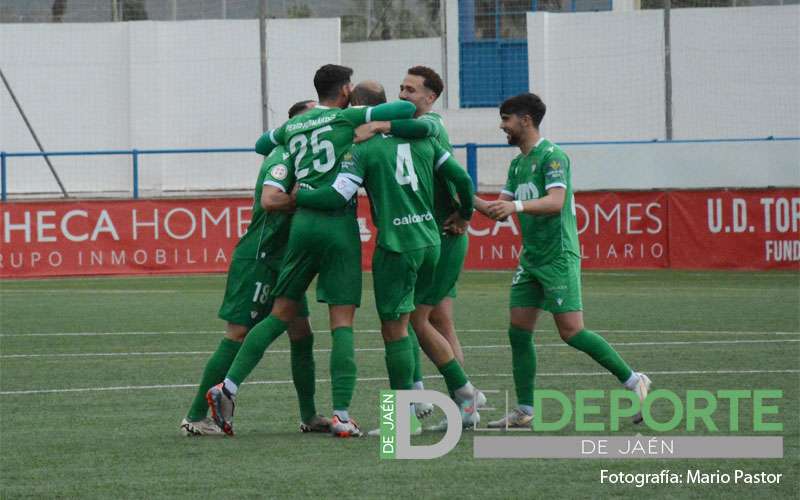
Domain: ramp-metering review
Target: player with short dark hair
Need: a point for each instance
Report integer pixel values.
(252, 273)
(539, 190)
(326, 244)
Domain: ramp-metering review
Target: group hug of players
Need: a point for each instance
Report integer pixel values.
(304, 226)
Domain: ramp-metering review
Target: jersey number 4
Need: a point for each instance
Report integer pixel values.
(405, 173)
(298, 146)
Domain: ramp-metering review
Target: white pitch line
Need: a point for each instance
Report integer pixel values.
(381, 349)
(465, 330)
(383, 379)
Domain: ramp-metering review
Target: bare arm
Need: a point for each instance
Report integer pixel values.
(273, 199)
(552, 203)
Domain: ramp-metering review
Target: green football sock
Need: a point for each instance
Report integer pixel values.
(523, 363)
(596, 346)
(454, 376)
(343, 368)
(400, 363)
(303, 375)
(415, 351)
(253, 348)
(216, 368)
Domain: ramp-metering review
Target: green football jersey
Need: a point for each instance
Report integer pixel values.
(268, 232)
(445, 201)
(398, 176)
(544, 237)
(317, 140)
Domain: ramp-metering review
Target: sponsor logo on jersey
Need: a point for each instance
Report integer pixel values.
(412, 219)
(527, 191)
(555, 165)
(279, 172)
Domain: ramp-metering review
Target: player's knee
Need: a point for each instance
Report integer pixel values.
(236, 332)
(299, 329)
(342, 316)
(284, 309)
(567, 332)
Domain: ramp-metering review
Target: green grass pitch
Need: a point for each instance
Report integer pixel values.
(95, 375)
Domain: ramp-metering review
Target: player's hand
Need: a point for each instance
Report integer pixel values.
(454, 224)
(368, 130)
(500, 210)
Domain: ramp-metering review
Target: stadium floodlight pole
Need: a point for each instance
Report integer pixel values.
(262, 37)
(33, 134)
(667, 71)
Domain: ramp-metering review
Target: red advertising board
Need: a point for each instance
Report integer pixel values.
(742, 229)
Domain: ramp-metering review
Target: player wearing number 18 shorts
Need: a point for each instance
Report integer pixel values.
(251, 275)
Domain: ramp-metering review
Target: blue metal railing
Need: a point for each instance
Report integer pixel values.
(471, 150)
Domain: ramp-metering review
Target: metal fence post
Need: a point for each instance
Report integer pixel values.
(3, 192)
(472, 163)
(135, 155)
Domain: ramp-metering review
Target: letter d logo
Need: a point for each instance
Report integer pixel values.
(403, 449)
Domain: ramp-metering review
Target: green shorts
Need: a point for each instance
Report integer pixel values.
(324, 244)
(401, 278)
(451, 261)
(554, 287)
(247, 293)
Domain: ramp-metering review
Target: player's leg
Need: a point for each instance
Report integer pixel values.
(525, 303)
(436, 346)
(448, 269)
(301, 346)
(442, 320)
(197, 422)
(246, 302)
(299, 268)
(562, 286)
(339, 285)
(394, 277)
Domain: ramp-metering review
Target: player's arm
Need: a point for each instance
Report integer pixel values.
(338, 194)
(396, 110)
(277, 184)
(448, 168)
(330, 197)
(551, 203)
(408, 128)
(274, 199)
(269, 140)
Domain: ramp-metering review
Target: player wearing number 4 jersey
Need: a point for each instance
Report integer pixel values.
(398, 175)
(321, 243)
(539, 189)
(251, 275)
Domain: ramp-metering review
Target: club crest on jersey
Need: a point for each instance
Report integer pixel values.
(279, 172)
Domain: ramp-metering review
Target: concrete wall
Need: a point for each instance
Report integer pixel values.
(196, 84)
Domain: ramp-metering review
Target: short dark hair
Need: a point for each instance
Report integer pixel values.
(525, 104)
(367, 95)
(298, 108)
(329, 79)
(432, 80)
